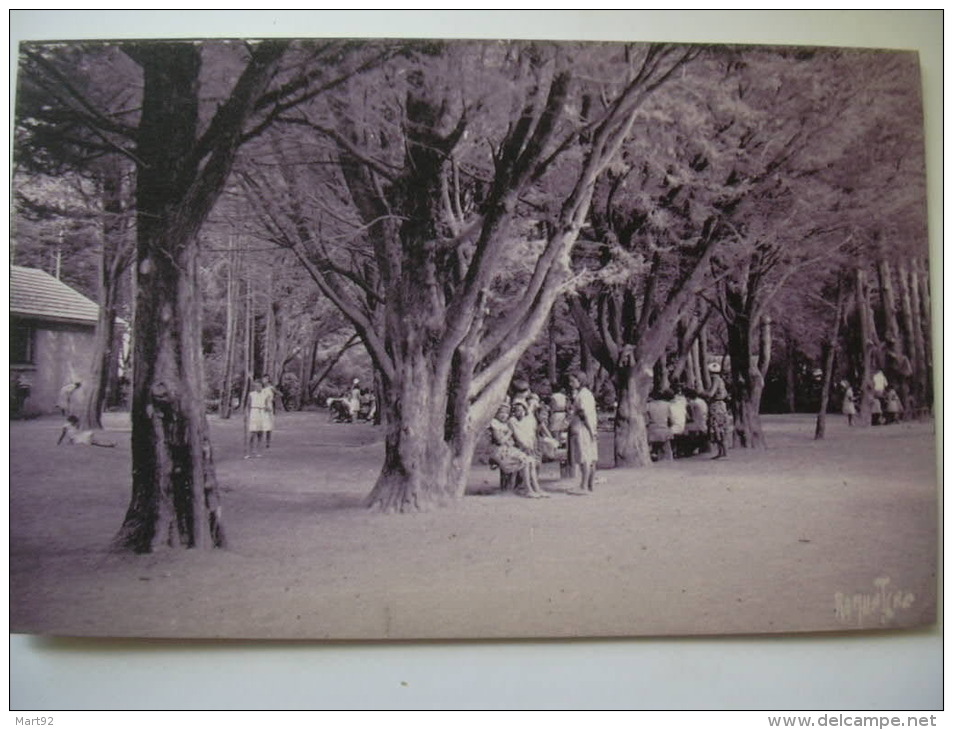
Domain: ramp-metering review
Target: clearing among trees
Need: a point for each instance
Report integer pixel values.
(792, 538)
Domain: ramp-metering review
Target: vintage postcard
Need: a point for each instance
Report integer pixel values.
(419, 339)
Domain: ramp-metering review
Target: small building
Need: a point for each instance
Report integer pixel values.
(52, 336)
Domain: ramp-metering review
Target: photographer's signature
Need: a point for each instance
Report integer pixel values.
(880, 606)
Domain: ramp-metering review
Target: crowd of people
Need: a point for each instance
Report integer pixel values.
(680, 422)
(886, 407)
(528, 430)
(683, 421)
(355, 404)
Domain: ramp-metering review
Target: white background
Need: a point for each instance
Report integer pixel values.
(886, 671)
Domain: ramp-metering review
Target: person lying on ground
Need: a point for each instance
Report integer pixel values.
(73, 435)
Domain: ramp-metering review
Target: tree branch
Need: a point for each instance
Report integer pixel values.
(88, 113)
(602, 347)
(388, 172)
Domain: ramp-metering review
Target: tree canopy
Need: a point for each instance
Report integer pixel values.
(453, 203)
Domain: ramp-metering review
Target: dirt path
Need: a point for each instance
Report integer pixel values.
(805, 536)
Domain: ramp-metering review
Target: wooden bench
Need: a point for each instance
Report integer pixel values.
(690, 443)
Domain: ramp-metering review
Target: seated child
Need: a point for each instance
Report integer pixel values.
(73, 435)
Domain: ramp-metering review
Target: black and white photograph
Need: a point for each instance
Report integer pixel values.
(401, 339)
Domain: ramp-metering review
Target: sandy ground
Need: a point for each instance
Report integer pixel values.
(819, 536)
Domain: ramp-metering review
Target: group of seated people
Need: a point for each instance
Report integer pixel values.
(514, 434)
(527, 430)
(524, 433)
(677, 423)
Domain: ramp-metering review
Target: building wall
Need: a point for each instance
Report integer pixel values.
(62, 353)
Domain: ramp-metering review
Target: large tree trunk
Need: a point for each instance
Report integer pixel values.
(419, 465)
(703, 359)
(865, 347)
(829, 350)
(269, 349)
(417, 460)
(308, 362)
(630, 438)
(749, 349)
(115, 259)
(919, 297)
(302, 372)
(899, 368)
(103, 353)
(248, 357)
(908, 326)
(278, 358)
(431, 428)
(552, 372)
(231, 326)
(790, 375)
(695, 366)
(175, 496)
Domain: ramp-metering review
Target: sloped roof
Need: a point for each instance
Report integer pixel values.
(36, 294)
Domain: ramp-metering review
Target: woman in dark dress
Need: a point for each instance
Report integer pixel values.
(718, 422)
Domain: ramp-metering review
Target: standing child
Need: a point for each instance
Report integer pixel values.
(847, 407)
(354, 400)
(258, 419)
